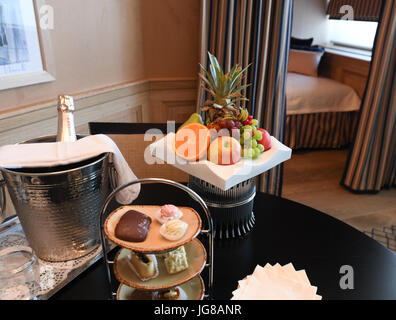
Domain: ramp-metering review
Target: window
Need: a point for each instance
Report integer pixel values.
(354, 34)
(353, 23)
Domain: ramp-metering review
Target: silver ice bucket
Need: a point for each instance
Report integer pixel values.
(59, 207)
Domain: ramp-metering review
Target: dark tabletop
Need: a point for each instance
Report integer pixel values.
(285, 231)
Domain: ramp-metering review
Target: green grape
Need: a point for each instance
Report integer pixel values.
(258, 135)
(247, 128)
(254, 143)
(255, 122)
(256, 153)
(247, 135)
(247, 152)
(261, 147)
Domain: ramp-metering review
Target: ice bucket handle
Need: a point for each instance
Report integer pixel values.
(2, 200)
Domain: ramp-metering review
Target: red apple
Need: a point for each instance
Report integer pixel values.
(225, 151)
(266, 140)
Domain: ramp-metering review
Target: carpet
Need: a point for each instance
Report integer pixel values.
(386, 236)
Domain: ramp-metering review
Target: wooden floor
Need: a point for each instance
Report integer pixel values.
(313, 178)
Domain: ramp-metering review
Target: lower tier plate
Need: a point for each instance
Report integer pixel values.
(193, 289)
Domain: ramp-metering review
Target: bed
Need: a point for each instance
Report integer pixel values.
(321, 112)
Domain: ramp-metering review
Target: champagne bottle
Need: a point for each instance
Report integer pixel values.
(66, 128)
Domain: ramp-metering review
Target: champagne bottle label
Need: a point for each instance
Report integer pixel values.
(66, 127)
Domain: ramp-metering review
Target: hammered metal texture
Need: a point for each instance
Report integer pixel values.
(59, 212)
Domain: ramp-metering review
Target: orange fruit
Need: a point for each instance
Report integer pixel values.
(192, 141)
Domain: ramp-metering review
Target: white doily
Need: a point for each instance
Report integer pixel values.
(18, 292)
(52, 274)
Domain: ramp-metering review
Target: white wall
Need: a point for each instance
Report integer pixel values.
(103, 43)
(309, 20)
(96, 44)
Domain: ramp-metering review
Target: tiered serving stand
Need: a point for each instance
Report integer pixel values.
(198, 258)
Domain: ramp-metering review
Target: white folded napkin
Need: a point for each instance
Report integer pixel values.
(62, 153)
(276, 283)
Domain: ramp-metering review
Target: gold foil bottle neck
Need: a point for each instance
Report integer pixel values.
(66, 103)
(66, 128)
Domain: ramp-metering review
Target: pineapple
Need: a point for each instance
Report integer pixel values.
(224, 90)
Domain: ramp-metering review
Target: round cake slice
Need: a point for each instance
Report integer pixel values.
(144, 265)
(132, 226)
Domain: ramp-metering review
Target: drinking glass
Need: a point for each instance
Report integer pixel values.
(18, 274)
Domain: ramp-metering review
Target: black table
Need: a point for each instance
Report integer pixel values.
(285, 231)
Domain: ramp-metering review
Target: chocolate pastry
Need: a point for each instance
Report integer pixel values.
(133, 226)
(141, 295)
(169, 294)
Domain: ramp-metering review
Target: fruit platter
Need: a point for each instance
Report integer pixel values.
(223, 144)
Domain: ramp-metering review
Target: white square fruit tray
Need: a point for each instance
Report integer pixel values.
(223, 177)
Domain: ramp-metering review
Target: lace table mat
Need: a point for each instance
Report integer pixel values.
(53, 275)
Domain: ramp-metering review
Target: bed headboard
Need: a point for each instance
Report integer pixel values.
(351, 71)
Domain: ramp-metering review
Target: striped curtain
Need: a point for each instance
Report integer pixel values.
(323, 130)
(257, 32)
(363, 10)
(371, 163)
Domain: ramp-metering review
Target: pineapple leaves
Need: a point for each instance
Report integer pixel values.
(224, 88)
(207, 78)
(242, 87)
(238, 78)
(215, 67)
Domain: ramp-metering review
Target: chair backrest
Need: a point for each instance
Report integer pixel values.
(133, 140)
